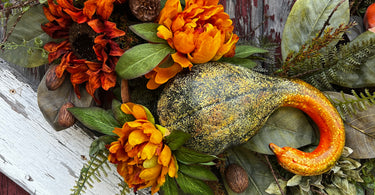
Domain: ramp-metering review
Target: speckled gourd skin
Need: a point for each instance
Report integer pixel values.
(218, 105)
(222, 105)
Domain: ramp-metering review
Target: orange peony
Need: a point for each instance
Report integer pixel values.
(142, 159)
(87, 51)
(200, 33)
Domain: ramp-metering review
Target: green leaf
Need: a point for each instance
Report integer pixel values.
(193, 186)
(99, 144)
(260, 176)
(50, 102)
(244, 51)
(170, 186)
(147, 31)
(96, 119)
(141, 59)
(247, 63)
(119, 115)
(149, 115)
(307, 18)
(188, 156)
(197, 172)
(176, 139)
(285, 127)
(27, 32)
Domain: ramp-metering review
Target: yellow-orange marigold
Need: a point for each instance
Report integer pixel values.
(200, 33)
(142, 159)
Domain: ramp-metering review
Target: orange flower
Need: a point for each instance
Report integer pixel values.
(142, 159)
(87, 51)
(200, 33)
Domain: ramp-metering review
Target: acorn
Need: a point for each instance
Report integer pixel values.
(52, 81)
(65, 118)
(236, 178)
(145, 10)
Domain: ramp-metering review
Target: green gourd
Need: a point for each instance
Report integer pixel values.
(223, 105)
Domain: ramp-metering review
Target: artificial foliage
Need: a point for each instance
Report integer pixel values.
(317, 52)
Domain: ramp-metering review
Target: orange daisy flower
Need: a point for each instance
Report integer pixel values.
(200, 33)
(142, 159)
(87, 51)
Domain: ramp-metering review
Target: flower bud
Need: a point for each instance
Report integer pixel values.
(236, 178)
(145, 10)
(52, 81)
(65, 118)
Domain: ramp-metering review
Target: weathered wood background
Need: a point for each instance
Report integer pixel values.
(43, 161)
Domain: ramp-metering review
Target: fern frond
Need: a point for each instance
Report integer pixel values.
(91, 171)
(322, 69)
(124, 188)
(350, 106)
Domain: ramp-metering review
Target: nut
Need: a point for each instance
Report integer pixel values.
(236, 178)
(65, 118)
(52, 81)
(145, 10)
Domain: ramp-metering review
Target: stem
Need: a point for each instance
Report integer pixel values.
(326, 23)
(273, 174)
(125, 96)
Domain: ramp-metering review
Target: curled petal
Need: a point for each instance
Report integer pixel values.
(108, 80)
(105, 8)
(184, 41)
(206, 47)
(164, 33)
(134, 109)
(164, 74)
(170, 10)
(182, 60)
(173, 167)
(165, 156)
(149, 150)
(137, 137)
(151, 173)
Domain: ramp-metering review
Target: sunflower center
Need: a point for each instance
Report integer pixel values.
(81, 38)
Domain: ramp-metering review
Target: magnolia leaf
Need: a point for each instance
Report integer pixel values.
(50, 102)
(307, 18)
(365, 75)
(96, 119)
(169, 187)
(244, 51)
(141, 59)
(147, 31)
(100, 143)
(176, 139)
(188, 156)
(260, 176)
(247, 63)
(197, 172)
(359, 129)
(119, 115)
(285, 127)
(193, 186)
(28, 34)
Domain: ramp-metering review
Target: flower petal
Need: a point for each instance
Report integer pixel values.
(137, 137)
(184, 41)
(170, 10)
(165, 156)
(149, 151)
(164, 74)
(151, 173)
(182, 60)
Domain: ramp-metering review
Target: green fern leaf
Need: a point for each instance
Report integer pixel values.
(91, 171)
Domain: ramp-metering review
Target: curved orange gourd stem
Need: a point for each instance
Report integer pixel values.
(331, 128)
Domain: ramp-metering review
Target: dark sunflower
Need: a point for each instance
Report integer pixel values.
(88, 51)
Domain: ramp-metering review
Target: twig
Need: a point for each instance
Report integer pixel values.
(318, 192)
(125, 96)
(274, 175)
(13, 27)
(326, 23)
